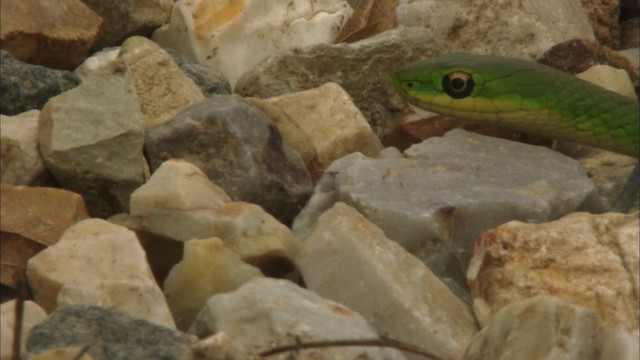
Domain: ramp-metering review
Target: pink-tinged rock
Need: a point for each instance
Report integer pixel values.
(32, 315)
(588, 260)
(56, 34)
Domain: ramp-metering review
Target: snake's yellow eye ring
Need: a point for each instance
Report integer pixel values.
(458, 84)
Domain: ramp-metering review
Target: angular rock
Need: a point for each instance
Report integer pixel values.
(331, 121)
(25, 87)
(234, 36)
(609, 171)
(240, 150)
(448, 190)
(603, 16)
(207, 268)
(181, 203)
(32, 315)
(123, 19)
(96, 262)
(347, 258)
(588, 260)
(63, 353)
(265, 313)
(91, 139)
(542, 327)
(620, 344)
(210, 80)
(111, 334)
(21, 160)
(163, 90)
(55, 34)
(610, 78)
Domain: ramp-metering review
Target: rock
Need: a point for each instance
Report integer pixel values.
(610, 78)
(64, 353)
(181, 203)
(474, 183)
(110, 334)
(620, 345)
(347, 258)
(103, 161)
(32, 218)
(210, 80)
(629, 34)
(207, 268)
(21, 160)
(609, 172)
(265, 313)
(55, 34)
(234, 36)
(517, 260)
(163, 90)
(125, 19)
(542, 327)
(331, 121)
(96, 262)
(603, 16)
(25, 87)
(32, 315)
(218, 346)
(240, 150)
(95, 62)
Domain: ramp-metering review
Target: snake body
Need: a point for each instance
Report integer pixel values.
(522, 95)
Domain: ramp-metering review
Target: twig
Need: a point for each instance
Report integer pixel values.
(81, 353)
(21, 286)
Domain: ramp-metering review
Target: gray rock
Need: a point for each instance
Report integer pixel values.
(448, 190)
(110, 335)
(239, 149)
(210, 80)
(25, 87)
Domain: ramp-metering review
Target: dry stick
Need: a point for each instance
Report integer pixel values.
(381, 342)
(81, 353)
(21, 286)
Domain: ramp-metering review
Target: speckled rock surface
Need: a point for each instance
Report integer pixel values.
(210, 80)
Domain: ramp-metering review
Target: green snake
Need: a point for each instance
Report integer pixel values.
(526, 96)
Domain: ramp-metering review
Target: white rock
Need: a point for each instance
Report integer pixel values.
(266, 312)
(96, 61)
(349, 260)
(96, 262)
(207, 268)
(610, 78)
(21, 160)
(620, 345)
(232, 36)
(32, 315)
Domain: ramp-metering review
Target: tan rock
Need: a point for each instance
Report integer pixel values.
(163, 89)
(207, 268)
(96, 262)
(65, 353)
(610, 78)
(331, 121)
(56, 34)
(32, 315)
(588, 260)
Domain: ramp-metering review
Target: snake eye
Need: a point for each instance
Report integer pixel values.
(458, 84)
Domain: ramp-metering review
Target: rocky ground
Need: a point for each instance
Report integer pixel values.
(216, 179)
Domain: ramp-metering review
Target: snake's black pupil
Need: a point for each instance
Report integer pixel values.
(457, 84)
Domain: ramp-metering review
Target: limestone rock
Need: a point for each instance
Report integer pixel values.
(21, 160)
(240, 150)
(347, 259)
(235, 35)
(542, 327)
(210, 80)
(56, 34)
(331, 121)
(603, 16)
(588, 260)
(96, 262)
(181, 203)
(91, 139)
(610, 78)
(123, 19)
(63, 353)
(111, 334)
(620, 344)
(32, 315)
(25, 87)
(448, 190)
(163, 90)
(266, 312)
(207, 268)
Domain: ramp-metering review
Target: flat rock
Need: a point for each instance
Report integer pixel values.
(448, 190)
(101, 159)
(163, 90)
(26, 87)
(239, 149)
(96, 262)
(542, 327)
(181, 203)
(20, 156)
(265, 313)
(235, 35)
(207, 268)
(55, 34)
(110, 334)
(32, 315)
(517, 260)
(347, 259)
(210, 80)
